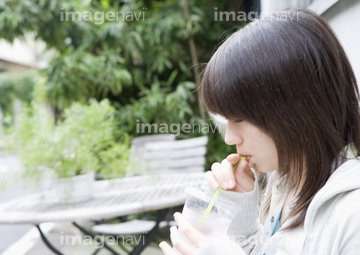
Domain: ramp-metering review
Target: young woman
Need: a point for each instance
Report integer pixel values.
(291, 100)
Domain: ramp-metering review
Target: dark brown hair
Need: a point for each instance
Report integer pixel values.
(291, 78)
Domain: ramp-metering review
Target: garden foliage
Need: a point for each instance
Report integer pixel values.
(143, 67)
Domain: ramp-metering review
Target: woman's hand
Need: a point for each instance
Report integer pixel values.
(242, 180)
(195, 239)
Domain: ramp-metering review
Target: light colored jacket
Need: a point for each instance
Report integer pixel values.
(331, 226)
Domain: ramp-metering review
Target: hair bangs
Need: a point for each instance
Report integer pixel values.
(222, 91)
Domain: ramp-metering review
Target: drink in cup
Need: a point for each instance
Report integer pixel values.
(216, 223)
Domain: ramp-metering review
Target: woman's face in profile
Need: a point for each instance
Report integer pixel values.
(252, 142)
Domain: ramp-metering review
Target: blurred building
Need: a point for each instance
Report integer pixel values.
(18, 57)
(22, 55)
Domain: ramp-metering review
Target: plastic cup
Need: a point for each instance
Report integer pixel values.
(216, 223)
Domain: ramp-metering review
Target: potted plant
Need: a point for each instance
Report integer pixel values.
(75, 148)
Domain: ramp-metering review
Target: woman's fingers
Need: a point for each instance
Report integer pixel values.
(222, 174)
(217, 173)
(186, 244)
(183, 246)
(228, 174)
(233, 158)
(209, 176)
(192, 234)
(244, 176)
(166, 249)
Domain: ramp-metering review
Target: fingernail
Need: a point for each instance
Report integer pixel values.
(224, 185)
(230, 183)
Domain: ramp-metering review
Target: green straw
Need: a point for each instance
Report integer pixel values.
(215, 196)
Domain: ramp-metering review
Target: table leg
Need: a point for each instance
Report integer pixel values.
(92, 236)
(46, 241)
(161, 214)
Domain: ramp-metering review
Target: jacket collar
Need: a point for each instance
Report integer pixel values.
(345, 177)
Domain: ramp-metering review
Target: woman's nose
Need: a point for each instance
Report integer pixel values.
(231, 136)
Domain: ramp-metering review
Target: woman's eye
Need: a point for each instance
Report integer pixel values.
(238, 120)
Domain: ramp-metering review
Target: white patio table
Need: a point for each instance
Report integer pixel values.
(111, 198)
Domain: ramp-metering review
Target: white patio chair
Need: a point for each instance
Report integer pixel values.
(139, 142)
(137, 163)
(186, 155)
(162, 157)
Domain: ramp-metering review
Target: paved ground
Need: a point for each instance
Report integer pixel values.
(25, 239)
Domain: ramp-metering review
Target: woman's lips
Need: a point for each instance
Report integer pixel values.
(248, 158)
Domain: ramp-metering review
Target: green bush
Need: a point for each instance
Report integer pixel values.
(144, 67)
(83, 140)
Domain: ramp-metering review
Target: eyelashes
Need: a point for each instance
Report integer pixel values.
(238, 120)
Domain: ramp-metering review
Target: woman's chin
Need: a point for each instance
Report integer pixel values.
(263, 169)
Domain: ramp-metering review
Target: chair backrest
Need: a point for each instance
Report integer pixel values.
(137, 163)
(139, 142)
(187, 155)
